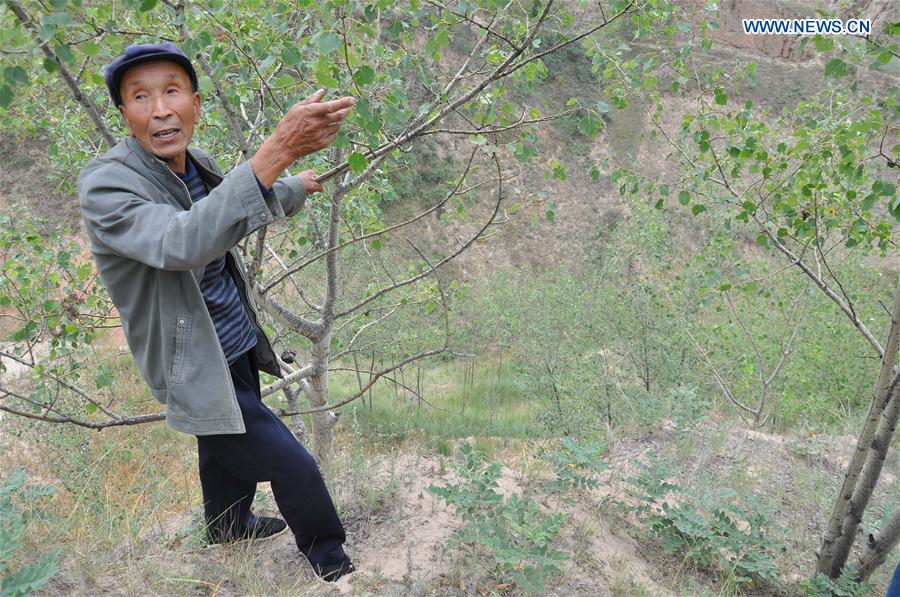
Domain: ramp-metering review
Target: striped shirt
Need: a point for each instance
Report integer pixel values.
(236, 333)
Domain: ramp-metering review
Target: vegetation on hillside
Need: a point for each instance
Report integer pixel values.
(715, 375)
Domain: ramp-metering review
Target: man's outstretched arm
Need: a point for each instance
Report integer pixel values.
(119, 219)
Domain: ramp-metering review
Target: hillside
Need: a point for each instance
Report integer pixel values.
(595, 376)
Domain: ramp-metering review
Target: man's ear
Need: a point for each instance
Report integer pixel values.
(196, 99)
(121, 109)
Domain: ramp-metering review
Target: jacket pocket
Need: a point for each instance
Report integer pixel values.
(182, 351)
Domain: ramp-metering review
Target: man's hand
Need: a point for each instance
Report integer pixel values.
(310, 125)
(309, 182)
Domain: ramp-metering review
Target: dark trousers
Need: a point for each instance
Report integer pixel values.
(231, 465)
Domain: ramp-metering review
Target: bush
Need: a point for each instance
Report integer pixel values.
(16, 509)
(710, 531)
(822, 586)
(575, 467)
(514, 530)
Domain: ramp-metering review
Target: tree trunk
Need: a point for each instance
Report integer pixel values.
(826, 562)
(299, 428)
(867, 479)
(323, 421)
(878, 549)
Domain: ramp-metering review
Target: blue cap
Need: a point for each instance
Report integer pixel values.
(137, 53)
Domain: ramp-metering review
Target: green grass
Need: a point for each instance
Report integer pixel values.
(487, 404)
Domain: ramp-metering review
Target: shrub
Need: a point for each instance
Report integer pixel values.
(16, 509)
(513, 530)
(575, 467)
(710, 530)
(845, 586)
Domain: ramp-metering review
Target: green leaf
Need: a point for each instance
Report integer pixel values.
(894, 208)
(284, 81)
(823, 44)
(324, 77)
(721, 97)
(698, 208)
(659, 204)
(148, 5)
(358, 162)
(6, 96)
(16, 74)
(90, 48)
(868, 203)
(205, 83)
(83, 271)
(290, 54)
(90, 408)
(32, 577)
(65, 53)
(884, 57)
(104, 379)
(46, 32)
(836, 68)
(477, 140)
(590, 126)
(49, 65)
(364, 75)
(559, 170)
(329, 42)
(443, 39)
(649, 83)
(684, 197)
(376, 243)
(60, 19)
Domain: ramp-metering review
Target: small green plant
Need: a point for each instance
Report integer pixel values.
(16, 508)
(575, 467)
(845, 586)
(686, 408)
(710, 530)
(514, 530)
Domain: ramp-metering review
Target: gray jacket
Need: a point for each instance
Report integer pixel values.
(151, 245)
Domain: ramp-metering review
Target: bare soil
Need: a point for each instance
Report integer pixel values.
(399, 541)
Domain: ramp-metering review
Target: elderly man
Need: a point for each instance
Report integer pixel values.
(163, 223)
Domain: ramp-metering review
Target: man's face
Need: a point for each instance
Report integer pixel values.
(160, 109)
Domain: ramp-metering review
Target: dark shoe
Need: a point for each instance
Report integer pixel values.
(332, 572)
(257, 528)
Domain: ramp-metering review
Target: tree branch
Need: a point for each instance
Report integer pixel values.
(92, 109)
(447, 259)
(265, 289)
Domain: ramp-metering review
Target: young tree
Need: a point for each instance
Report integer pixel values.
(458, 71)
(812, 186)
